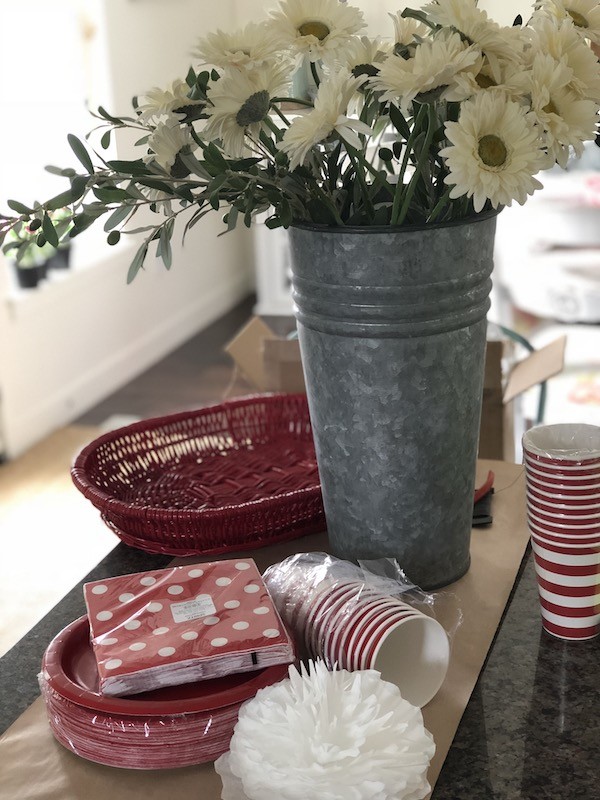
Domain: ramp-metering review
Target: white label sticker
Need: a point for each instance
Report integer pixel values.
(201, 606)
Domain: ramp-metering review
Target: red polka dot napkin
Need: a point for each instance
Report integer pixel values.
(173, 626)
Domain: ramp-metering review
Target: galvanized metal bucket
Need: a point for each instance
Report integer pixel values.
(392, 329)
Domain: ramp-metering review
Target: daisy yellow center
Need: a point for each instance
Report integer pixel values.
(365, 69)
(254, 109)
(578, 19)
(314, 27)
(492, 150)
(550, 108)
(484, 81)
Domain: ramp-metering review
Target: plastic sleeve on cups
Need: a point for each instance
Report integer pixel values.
(340, 612)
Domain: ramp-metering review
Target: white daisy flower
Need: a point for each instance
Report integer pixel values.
(563, 43)
(364, 56)
(494, 152)
(166, 140)
(565, 119)
(407, 30)
(328, 115)
(319, 29)
(240, 102)
(247, 48)
(157, 102)
(496, 42)
(161, 200)
(433, 67)
(486, 79)
(585, 15)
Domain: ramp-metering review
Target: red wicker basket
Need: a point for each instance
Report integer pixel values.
(233, 476)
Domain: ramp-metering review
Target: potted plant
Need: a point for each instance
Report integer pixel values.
(29, 261)
(61, 257)
(389, 178)
(32, 255)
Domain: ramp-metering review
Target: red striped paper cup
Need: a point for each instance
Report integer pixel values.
(562, 470)
(567, 546)
(568, 520)
(322, 605)
(562, 539)
(577, 494)
(349, 620)
(569, 564)
(567, 530)
(548, 505)
(386, 617)
(568, 579)
(348, 645)
(371, 634)
(356, 629)
(338, 615)
(549, 582)
(571, 448)
(570, 628)
(572, 499)
(413, 653)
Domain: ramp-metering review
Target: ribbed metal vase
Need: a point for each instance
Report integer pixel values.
(392, 329)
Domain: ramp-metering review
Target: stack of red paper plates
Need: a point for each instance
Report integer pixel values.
(173, 727)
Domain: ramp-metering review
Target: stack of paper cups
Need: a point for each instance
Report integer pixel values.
(351, 625)
(562, 467)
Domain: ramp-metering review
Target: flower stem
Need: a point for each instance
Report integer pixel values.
(370, 168)
(443, 201)
(423, 156)
(407, 152)
(291, 100)
(315, 73)
(273, 128)
(281, 116)
(331, 205)
(356, 159)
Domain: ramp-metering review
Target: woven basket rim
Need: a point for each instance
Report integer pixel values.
(109, 505)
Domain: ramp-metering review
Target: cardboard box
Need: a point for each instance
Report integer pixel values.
(272, 363)
(505, 381)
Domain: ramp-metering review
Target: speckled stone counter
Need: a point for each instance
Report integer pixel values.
(530, 730)
(20, 666)
(532, 727)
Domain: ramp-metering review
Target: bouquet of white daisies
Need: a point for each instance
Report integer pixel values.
(303, 118)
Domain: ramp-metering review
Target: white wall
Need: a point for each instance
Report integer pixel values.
(376, 11)
(150, 41)
(74, 340)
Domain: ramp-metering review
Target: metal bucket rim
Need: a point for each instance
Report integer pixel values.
(365, 229)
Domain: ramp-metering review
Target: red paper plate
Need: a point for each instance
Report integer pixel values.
(69, 667)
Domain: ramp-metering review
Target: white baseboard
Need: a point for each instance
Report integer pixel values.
(55, 406)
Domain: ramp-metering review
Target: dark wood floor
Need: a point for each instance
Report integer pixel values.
(196, 374)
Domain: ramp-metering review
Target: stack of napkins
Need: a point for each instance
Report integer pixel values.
(173, 626)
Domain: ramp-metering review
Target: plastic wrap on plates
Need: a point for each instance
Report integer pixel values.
(366, 616)
(152, 742)
(175, 726)
(182, 624)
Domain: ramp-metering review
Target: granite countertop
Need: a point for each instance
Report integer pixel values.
(531, 729)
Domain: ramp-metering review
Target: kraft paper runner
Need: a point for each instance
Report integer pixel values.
(33, 766)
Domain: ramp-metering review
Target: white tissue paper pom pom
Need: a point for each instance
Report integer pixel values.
(328, 735)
